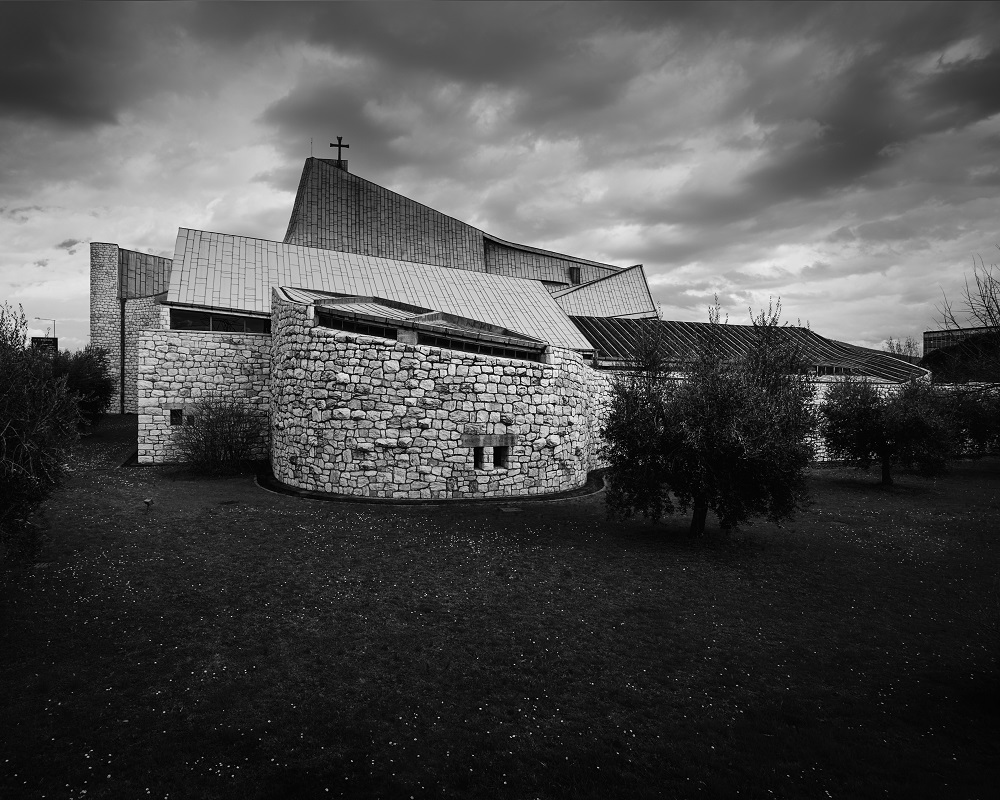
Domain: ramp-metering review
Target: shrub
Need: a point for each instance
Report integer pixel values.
(728, 435)
(38, 423)
(88, 377)
(221, 434)
(975, 413)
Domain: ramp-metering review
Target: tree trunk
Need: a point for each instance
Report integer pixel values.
(886, 475)
(698, 519)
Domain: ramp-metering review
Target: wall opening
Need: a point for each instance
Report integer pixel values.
(186, 320)
(477, 457)
(176, 416)
(574, 276)
(500, 457)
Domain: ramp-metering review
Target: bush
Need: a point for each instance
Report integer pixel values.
(221, 435)
(38, 423)
(88, 377)
(909, 427)
(728, 435)
(975, 414)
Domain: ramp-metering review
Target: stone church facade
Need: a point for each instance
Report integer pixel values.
(395, 351)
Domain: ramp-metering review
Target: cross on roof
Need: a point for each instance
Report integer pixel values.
(339, 146)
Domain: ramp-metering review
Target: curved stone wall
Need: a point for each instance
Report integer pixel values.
(373, 417)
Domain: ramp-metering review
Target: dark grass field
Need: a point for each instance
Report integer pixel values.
(232, 643)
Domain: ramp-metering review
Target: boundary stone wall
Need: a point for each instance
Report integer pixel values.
(176, 368)
(366, 416)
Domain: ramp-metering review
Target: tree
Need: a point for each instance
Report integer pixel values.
(867, 424)
(729, 434)
(88, 378)
(38, 422)
(908, 347)
(980, 303)
(974, 354)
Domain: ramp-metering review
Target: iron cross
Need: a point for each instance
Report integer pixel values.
(338, 145)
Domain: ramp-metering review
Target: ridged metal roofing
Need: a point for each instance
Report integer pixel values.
(625, 293)
(223, 271)
(615, 340)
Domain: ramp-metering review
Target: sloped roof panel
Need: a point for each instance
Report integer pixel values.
(615, 341)
(204, 258)
(622, 294)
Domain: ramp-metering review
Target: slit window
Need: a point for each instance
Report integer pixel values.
(500, 457)
(184, 320)
(477, 457)
(176, 416)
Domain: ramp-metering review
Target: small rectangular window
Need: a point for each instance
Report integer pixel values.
(176, 416)
(574, 276)
(500, 455)
(477, 457)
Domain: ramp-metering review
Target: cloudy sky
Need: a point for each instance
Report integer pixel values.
(841, 157)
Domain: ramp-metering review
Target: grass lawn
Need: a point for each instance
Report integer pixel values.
(232, 643)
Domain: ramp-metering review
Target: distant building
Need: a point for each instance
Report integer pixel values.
(935, 340)
(397, 351)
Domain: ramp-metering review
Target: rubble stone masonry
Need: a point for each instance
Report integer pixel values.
(105, 311)
(177, 368)
(365, 416)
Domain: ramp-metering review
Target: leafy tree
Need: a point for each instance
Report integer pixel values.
(38, 422)
(868, 425)
(88, 378)
(975, 414)
(728, 434)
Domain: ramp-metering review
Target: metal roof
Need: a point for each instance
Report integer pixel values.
(390, 313)
(623, 294)
(615, 340)
(222, 271)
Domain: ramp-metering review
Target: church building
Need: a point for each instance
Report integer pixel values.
(395, 351)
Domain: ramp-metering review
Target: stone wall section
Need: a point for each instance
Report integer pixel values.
(373, 417)
(105, 311)
(140, 314)
(177, 368)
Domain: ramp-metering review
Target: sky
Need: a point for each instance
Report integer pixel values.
(842, 158)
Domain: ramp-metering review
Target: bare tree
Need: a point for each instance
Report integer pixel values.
(973, 355)
(980, 303)
(907, 347)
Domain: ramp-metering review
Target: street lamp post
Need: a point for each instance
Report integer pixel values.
(47, 319)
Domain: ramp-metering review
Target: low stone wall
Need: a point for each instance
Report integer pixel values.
(176, 368)
(365, 416)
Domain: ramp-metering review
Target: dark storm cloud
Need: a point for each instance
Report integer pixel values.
(69, 244)
(77, 64)
(964, 92)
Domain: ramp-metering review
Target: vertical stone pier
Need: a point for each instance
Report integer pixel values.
(106, 311)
